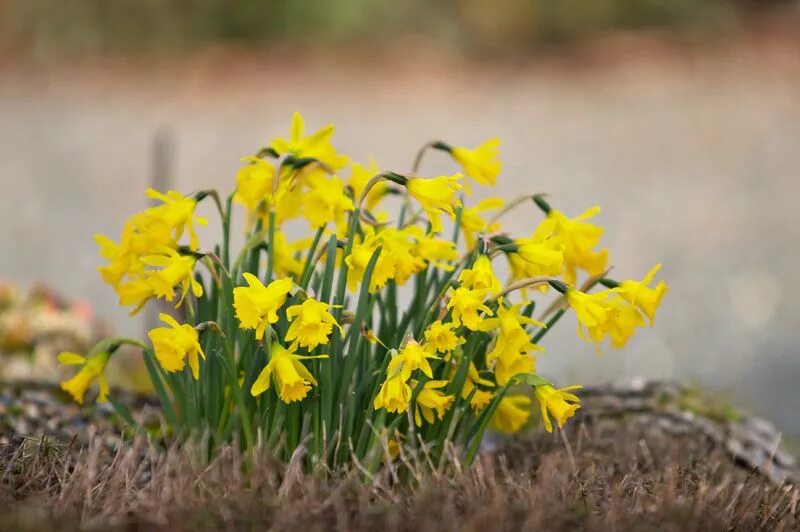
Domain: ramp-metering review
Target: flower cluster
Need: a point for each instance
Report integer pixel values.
(307, 340)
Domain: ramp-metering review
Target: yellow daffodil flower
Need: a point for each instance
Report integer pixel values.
(292, 379)
(510, 354)
(432, 250)
(359, 258)
(472, 222)
(257, 305)
(92, 369)
(557, 403)
(579, 239)
(440, 338)
(511, 414)
(430, 402)
(481, 276)
(286, 263)
(480, 163)
(312, 323)
(176, 270)
(135, 293)
(398, 247)
(465, 305)
(540, 254)
(412, 357)
(254, 184)
(326, 202)
(481, 398)
(175, 344)
(317, 145)
(177, 212)
(641, 296)
(604, 314)
(436, 195)
(394, 395)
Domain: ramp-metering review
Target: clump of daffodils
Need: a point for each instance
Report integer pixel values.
(292, 342)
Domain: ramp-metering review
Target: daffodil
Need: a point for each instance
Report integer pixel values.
(440, 337)
(257, 305)
(177, 212)
(511, 414)
(292, 379)
(604, 314)
(359, 258)
(135, 293)
(394, 395)
(641, 296)
(430, 402)
(312, 323)
(397, 255)
(472, 223)
(479, 398)
(175, 270)
(175, 344)
(481, 276)
(410, 358)
(285, 262)
(510, 354)
(254, 183)
(316, 146)
(431, 249)
(91, 370)
(436, 195)
(558, 403)
(480, 163)
(579, 239)
(466, 305)
(540, 254)
(326, 202)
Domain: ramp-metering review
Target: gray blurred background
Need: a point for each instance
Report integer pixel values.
(681, 119)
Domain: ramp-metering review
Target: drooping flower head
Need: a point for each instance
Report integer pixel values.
(466, 305)
(326, 202)
(511, 414)
(431, 403)
(292, 379)
(604, 314)
(557, 403)
(257, 305)
(177, 212)
(412, 357)
(539, 254)
(91, 370)
(175, 344)
(312, 323)
(472, 222)
(510, 355)
(436, 195)
(440, 338)
(641, 296)
(580, 238)
(481, 163)
(394, 395)
(481, 276)
(174, 270)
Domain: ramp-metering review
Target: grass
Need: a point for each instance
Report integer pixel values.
(622, 478)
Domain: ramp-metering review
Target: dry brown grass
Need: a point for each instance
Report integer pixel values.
(620, 479)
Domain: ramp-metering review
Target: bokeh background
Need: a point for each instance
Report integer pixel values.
(681, 118)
